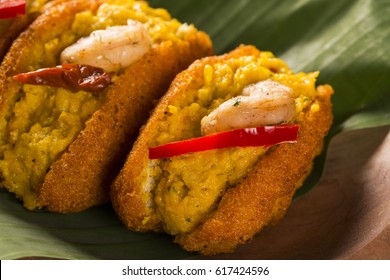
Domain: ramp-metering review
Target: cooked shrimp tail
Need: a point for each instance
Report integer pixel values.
(264, 103)
(112, 49)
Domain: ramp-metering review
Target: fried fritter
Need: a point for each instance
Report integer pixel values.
(212, 201)
(59, 149)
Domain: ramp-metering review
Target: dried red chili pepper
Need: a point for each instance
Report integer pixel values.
(70, 76)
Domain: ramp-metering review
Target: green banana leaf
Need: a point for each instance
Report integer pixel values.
(347, 40)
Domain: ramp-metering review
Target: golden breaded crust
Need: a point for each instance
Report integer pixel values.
(81, 177)
(259, 200)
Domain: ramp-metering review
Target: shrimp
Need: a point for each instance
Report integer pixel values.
(264, 103)
(112, 49)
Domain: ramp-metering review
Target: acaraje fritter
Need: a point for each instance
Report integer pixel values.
(61, 148)
(216, 199)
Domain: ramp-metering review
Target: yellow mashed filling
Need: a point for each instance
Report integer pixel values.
(188, 187)
(159, 23)
(41, 122)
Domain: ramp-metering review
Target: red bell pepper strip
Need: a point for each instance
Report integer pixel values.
(264, 136)
(12, 8)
